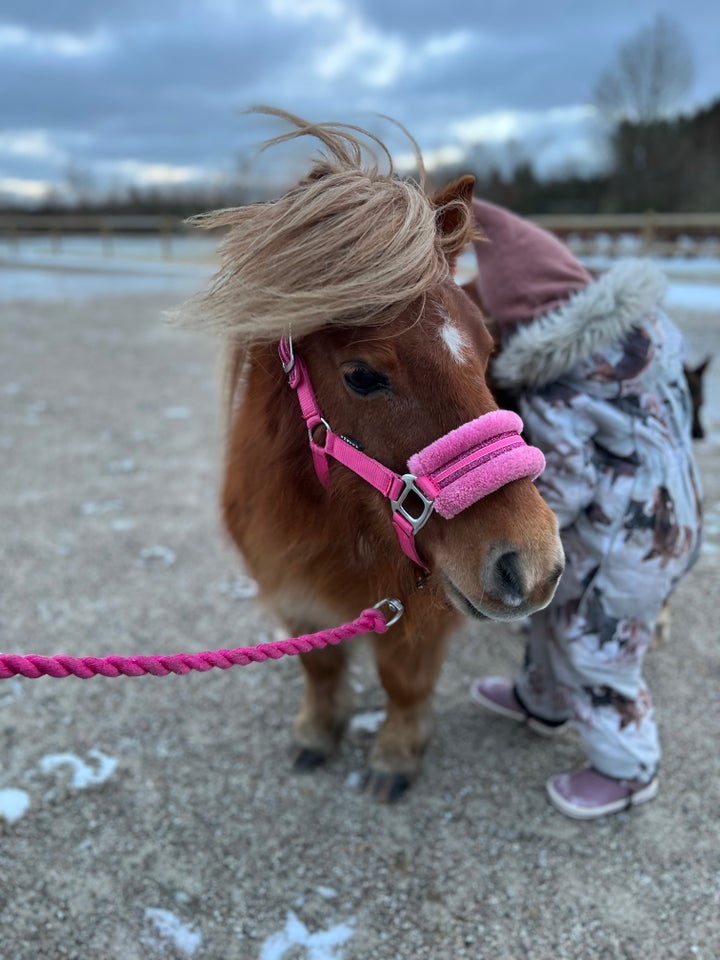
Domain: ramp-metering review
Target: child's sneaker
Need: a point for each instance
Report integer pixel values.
(586, 794)
(498, 695)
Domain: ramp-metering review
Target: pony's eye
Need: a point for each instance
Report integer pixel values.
(363, 380)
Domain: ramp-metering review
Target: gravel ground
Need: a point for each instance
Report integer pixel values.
(155, 817)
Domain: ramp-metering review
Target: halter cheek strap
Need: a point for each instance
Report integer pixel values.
(447, 476)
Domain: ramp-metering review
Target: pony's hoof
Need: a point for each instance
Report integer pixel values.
(305, 759)
(385, 787)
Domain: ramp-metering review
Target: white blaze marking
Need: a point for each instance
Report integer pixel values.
(454, 341)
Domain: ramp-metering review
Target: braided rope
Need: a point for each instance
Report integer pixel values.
(34, 666)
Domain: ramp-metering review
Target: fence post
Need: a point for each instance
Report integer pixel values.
(166, 236)
(12, 235)
(648, 231)
(106, 232)
(56, 236)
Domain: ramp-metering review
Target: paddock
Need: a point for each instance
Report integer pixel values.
(157, 816)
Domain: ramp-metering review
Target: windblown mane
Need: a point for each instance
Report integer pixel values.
(347, 245)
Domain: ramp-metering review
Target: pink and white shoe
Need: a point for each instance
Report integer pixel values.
(498, 695)
(587, 794)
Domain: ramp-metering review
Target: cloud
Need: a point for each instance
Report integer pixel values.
(140, 89)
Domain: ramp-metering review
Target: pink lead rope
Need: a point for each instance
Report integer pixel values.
(447, 476)
(33, 666)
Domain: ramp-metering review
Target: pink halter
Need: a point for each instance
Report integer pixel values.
(447, 476)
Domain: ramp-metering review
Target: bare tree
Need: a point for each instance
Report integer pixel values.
(652, 73)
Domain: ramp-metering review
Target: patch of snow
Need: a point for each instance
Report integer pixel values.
(327, 893)
(157, 556)
(241, 588)
(368, 722)
(323, 945)
(703, 297)
(711, 530)
(82, 267)
(83, 775)
(177, 413)
(121, 524)
(171, 930)
(101, 507)
(13, 804)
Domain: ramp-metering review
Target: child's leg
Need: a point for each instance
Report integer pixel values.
(589, 659)
(536, 687)
(584, 659)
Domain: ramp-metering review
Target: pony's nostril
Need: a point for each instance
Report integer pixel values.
(557, 573)
(509, 580)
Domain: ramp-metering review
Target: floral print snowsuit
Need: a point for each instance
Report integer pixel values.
(614, 425)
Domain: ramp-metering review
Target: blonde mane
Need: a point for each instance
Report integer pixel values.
(347, 245)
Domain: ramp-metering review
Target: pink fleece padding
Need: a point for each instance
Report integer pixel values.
(474, 460)
(519, 462)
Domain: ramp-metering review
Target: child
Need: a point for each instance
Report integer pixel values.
(595, 367)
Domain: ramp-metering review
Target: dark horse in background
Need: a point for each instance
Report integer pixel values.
(695, 377)
(356, 266)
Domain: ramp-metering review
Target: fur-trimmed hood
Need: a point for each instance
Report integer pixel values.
(605, 312)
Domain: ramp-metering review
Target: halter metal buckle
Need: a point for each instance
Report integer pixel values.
(396, 608)
(418, 522)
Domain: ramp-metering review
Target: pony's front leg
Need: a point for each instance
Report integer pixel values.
(408, 666)
(324, 713)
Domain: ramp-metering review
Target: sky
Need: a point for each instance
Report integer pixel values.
(104, 94)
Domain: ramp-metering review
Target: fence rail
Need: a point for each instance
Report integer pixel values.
(655, 232)
(658, 233)
(16, 227)
(37, 223)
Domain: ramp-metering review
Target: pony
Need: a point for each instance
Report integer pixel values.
(351, 272)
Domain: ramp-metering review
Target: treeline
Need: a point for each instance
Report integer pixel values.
(666, 165)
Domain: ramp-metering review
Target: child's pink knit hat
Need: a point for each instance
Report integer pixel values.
(523, 271)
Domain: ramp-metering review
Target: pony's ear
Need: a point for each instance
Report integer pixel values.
(454, 216)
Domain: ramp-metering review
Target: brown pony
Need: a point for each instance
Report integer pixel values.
(357, 264)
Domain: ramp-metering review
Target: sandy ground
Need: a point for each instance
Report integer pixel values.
(153, 817)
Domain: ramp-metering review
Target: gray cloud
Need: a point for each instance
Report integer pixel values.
(102, 86)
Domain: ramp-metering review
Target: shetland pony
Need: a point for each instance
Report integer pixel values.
(356, 265)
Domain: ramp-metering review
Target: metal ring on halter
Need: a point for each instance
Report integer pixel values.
(288, 364)
(396, 608)
(311, 430)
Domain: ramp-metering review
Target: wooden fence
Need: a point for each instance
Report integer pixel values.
(689, 234)
(15, 227)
